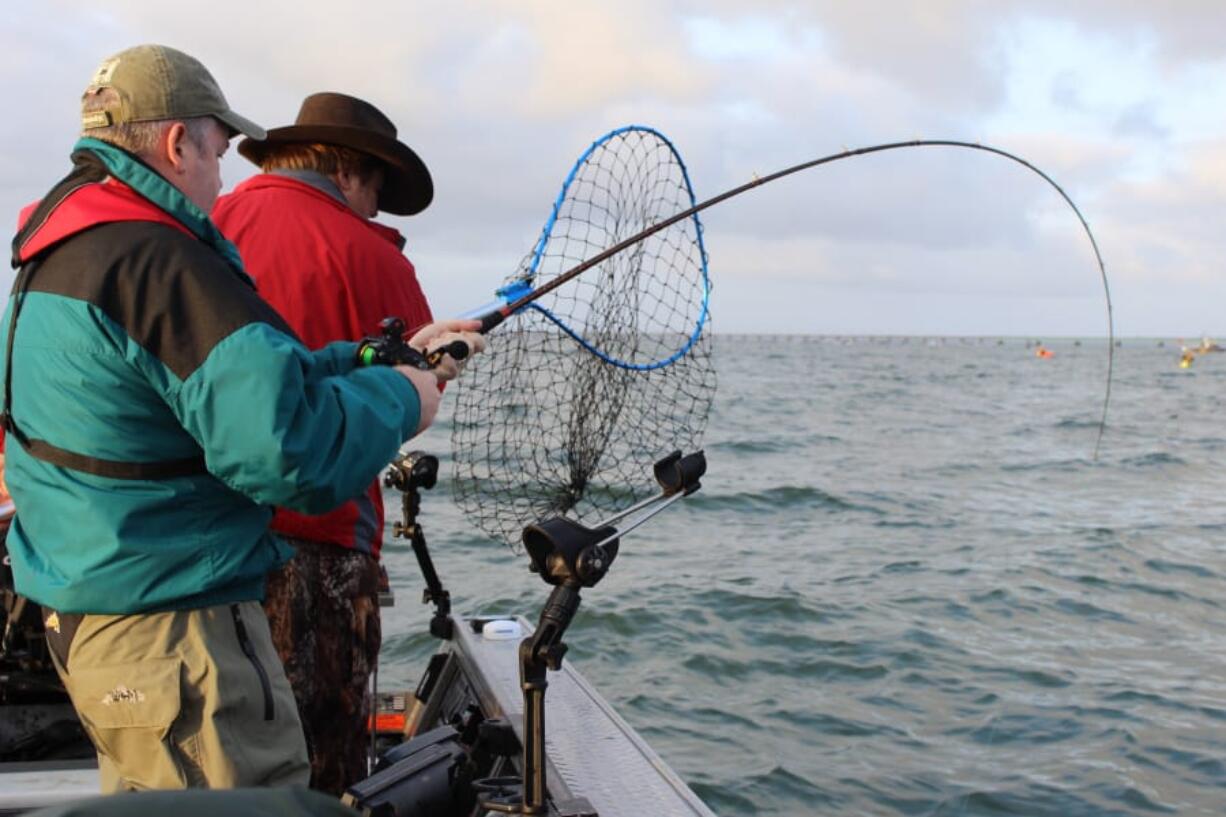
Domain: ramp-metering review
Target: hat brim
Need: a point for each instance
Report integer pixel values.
(407, 186)
(240, 124)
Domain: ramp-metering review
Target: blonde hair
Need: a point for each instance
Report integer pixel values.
(326, 159)
(139, 138)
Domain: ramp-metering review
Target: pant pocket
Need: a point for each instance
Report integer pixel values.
(129, 711)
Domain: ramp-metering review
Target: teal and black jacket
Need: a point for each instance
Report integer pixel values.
(157, 408)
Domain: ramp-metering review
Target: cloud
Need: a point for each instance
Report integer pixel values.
(1118, 101)
(1170, 229)
(1141, 120)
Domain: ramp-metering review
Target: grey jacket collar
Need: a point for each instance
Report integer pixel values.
(315, 179)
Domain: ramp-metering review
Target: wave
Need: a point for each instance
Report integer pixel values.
(799, 497)
(779, 783)
(1084, 609)
(724, 668)
(1076, 423)
(1034, 797)
(780, 445)
(1134, 696)
(1062, 465)
(733, 606)
(1153, 459)
(1164, 566)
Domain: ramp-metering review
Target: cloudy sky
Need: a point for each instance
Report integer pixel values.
(1123, 102)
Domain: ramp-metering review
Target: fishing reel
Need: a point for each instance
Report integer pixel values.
(390, 349)
(410, 470)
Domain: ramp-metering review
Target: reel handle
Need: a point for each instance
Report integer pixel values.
(458, 350)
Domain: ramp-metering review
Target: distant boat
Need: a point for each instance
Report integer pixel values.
(1187, 354)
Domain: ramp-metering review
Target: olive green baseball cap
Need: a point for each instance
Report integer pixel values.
(155, 83)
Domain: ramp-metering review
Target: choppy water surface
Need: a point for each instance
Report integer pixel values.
(907, 588)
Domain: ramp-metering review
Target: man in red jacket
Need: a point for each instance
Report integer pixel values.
(304, 230)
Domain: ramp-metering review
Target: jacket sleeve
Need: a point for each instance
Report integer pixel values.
(287, 426)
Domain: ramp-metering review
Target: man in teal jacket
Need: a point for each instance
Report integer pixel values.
(156, 409)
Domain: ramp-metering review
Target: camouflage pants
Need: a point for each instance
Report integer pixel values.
(323, 610)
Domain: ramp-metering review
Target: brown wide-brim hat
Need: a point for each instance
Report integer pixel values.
(337, 119)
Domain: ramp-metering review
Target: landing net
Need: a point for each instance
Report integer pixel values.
(585, 388)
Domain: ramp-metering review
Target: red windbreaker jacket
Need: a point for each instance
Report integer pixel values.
(332, 275)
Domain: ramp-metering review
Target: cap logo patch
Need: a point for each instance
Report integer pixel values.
(96, 119)
(105, 71)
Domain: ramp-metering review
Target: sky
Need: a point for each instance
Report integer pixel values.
(1121, 102)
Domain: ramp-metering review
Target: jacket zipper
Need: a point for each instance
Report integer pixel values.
(244, 643)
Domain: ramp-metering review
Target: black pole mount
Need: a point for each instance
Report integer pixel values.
(409, 473)
(569, 556)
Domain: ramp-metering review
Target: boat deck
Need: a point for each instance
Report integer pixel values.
(592, 752)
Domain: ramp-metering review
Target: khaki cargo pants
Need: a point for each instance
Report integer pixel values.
(184, 699)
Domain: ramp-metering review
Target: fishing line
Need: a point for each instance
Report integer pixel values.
(499, 314)
(572, 405)
(581, 392)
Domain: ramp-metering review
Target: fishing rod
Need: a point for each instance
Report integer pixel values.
(498, 314)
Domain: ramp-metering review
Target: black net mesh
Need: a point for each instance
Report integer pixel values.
(543, 425)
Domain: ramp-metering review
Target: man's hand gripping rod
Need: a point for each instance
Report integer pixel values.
(390, 349)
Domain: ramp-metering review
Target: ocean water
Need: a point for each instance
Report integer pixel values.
(907, 587)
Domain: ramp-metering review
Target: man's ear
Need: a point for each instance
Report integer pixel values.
(172, 145)
(345, 181)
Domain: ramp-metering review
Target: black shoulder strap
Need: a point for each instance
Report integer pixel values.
(43, 450)
(20, 286)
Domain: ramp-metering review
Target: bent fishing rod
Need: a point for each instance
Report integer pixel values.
(495, 317)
